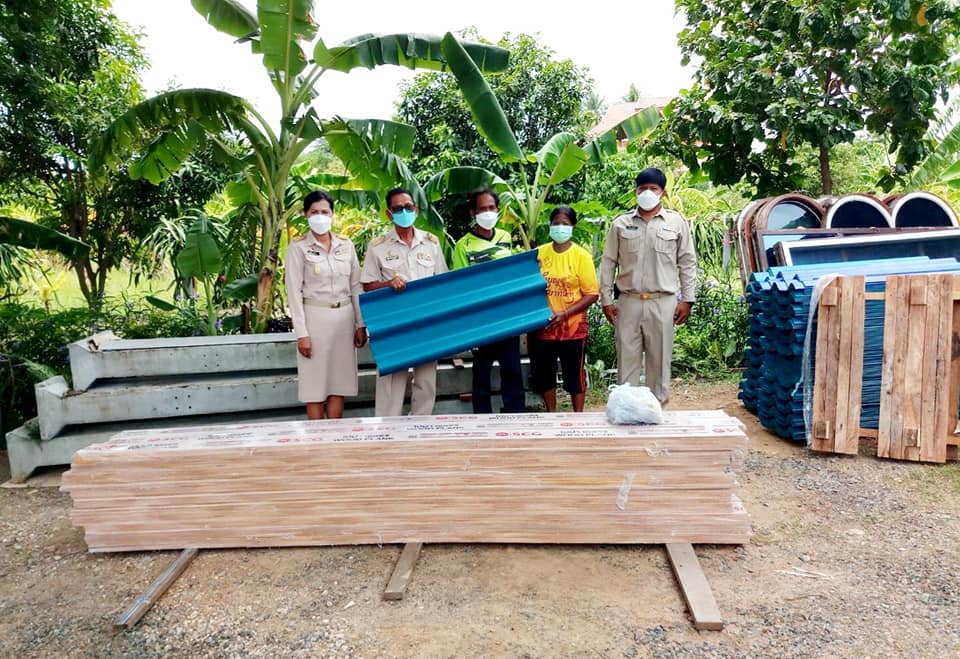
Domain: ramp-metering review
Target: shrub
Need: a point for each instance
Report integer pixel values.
(33, 343)
(710, 344)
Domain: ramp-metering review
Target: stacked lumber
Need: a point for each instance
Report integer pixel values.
(520, 478)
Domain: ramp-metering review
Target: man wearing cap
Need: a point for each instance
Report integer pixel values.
(649, 255)
(485, 242)
(403, 254)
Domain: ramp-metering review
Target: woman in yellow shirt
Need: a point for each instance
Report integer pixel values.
(571, 289)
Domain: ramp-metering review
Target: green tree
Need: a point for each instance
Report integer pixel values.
(632, 95)
(854, 167)
(532, 175)
(68, 69)
(779, 74)
(540, 97)
(164, 130)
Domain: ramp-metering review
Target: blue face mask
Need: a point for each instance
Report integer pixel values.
(560, 233)
(404, 218)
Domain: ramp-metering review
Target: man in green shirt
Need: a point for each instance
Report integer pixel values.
(486, 242)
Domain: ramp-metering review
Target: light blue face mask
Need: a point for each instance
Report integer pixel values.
(404, 218)
(560, 233)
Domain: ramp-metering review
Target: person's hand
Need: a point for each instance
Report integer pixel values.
(304, 346)
(397, 283)
(360, 337)
(610, 311)
(557, 319)
(681, 313)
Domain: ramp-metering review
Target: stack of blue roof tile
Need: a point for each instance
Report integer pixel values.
(778, 312)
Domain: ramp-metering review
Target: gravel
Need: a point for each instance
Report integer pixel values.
(850, 556)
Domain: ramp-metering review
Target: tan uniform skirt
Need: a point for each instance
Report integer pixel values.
(332, 368)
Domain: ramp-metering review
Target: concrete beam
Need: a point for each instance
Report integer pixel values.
(158, 398)
(103, 357)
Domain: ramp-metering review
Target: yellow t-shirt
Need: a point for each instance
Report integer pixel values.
(570, 275)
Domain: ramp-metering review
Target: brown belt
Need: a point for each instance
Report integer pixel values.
(325, 304)
(645, 296)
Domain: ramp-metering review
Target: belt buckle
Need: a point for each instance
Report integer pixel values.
(335, 305)
(646, 296)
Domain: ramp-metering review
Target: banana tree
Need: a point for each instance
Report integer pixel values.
(17, 235)
(164, 130)
(30, 235)
(200, 258)
(941, 167)
(560, 158)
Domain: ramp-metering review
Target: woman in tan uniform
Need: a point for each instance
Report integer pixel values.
(323, 281)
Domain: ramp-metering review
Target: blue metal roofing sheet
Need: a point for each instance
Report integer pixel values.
(445, 314)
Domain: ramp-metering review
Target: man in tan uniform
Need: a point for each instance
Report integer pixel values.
(403, 254)
(649, 254)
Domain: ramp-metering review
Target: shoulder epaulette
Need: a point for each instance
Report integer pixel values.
(376, 241)
(302, 236)
(432, 238)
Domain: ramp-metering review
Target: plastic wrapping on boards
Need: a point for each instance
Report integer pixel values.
(627, 404)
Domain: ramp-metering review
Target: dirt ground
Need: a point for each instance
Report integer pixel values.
(849, 556)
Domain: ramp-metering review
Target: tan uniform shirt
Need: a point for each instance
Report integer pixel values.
(313, 273)
(651, 257)
(388, 255)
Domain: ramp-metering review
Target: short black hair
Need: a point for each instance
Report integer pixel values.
(652, 175)
(564, 210)
(482, 191)
(314, 197)
(393, 192)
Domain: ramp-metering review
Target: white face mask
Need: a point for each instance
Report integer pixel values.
(320, 223)
(648, 200)
(486, 220)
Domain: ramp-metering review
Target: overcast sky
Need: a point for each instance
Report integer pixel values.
(619, 42)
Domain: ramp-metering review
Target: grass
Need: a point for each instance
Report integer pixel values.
(60, 290)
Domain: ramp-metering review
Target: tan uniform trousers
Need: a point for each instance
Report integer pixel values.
(391, 389)
(645, 331)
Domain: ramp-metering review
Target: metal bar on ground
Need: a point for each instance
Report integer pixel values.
(156, 590)
(695, 587)
(403, 571)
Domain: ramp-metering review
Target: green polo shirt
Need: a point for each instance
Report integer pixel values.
(472, 249)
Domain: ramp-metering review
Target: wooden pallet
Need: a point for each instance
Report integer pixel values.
(920, 375)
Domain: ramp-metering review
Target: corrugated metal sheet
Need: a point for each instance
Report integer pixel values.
(444, 314)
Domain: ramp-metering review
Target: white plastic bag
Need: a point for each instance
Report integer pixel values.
(627, 404)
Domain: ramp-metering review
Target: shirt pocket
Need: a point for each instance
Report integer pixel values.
(632, 245)
(666, 242)
(426, 265)
(341, 263)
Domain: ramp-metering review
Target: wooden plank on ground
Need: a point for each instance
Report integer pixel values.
(156, 590)
(403, 571)
(695, 587)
